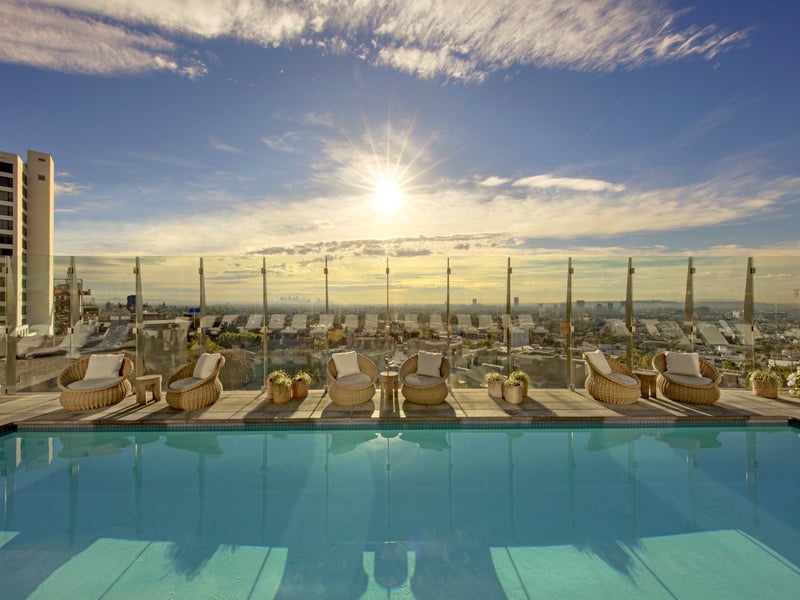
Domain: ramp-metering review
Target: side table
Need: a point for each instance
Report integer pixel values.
(389, 382)
(148, 381)
(647, 382)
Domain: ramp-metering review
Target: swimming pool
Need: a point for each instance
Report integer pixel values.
(425, 513)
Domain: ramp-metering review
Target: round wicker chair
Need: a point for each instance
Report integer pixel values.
(605, 388)
(203, 393)
(89, 399)
(430, 394)
(682, 391)
(345, 395)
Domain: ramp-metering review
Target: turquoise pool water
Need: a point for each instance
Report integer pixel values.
(692, 512)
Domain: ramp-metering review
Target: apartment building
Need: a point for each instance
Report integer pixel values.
(26, 238)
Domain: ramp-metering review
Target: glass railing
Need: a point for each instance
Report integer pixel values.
(286, 312)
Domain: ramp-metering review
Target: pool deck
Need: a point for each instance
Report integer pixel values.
(463, 407)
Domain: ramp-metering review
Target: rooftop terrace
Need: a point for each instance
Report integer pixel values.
(463, 407)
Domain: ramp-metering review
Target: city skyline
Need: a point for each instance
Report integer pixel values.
(359, 281)
(518, 128)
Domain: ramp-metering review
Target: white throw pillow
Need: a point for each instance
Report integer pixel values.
(683, 363)
(205, 365)
(104, 366)
(599, 362)
(429, 363)
(346, 363)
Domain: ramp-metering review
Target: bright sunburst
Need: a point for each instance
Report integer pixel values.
(388, 196)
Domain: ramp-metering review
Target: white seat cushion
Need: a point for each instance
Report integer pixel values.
(689, 380)
(104, 366)
(429, 363)
(182, 384)
(355, 380)
(205, 365)
(683, 363)
(417, 380)
(93, 384)
(346, 364)
(623, 379)
(599, 362)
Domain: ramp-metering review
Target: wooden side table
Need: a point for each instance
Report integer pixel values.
(389, 382)
(647, 382)
(148, 381)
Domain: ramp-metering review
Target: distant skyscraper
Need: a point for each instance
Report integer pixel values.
(26, 235)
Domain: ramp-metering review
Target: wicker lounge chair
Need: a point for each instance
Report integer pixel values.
(186, 391)
(422, 388)
(78, 393)
(691, 388)
(352, 388)
(610, 381)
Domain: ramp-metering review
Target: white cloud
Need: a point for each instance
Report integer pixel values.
(570, 183)
(220, 145)
(493, 181)
(69, 188)
(282, 143)
(447, 39)
(63, 41)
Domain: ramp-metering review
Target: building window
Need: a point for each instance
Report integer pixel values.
(6, 182)
(7, 225)
(2, 296)
(7, 211)
(6, 239)
(24, 179)
(24, 231)
(42, 178)
(6, 196)
(6, 167)
(6, 252)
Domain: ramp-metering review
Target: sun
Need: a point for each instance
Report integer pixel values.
(387, 195)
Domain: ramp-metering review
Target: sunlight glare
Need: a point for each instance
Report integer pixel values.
(388, 196)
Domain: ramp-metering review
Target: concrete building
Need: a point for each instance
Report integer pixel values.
(26, 237)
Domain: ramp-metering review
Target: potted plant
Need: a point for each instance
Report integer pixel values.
(300, 383)
(765, 383)
(271, 378)
(522, 377)
(494, 382)
(512, 391)
(281, 389)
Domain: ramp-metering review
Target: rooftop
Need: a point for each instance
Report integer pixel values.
(464, 407)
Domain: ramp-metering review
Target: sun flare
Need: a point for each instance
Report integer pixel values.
(388, 196)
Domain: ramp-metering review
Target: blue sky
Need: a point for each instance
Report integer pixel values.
(604, 128)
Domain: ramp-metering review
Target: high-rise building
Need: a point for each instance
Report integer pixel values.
(26, 236)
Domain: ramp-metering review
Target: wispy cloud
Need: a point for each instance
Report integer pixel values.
(220, 145)
(577, 184)
(282, 143)
(70, 188)
(61, 40)
(445, 39)
(493, 181)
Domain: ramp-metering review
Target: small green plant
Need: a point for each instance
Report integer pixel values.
(520, 376)
(282, 382)
(304, 377)
(767, 377)
(277, 375)
(513, 382)
(493, 376)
